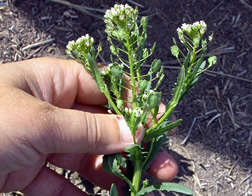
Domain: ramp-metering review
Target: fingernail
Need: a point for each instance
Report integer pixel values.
(126, 135)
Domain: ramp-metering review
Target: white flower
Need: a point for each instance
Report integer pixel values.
(203, 27)
(186, 27)
(138, 112)
(121, 18)
(121, 65)
(210, 37)
(70, 45)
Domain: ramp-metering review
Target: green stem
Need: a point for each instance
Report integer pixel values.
(149, 153)
(137, 173)
(192, 60)
(107, 95)
(166, 115)
(132, 74)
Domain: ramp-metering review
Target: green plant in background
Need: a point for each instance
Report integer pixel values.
(127, 40)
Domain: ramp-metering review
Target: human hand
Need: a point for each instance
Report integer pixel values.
(50, 112)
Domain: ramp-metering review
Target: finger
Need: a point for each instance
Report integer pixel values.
(50, 183)
(88, 133)
(164, 167)
(56, 81)
(90, 108)
(89, 167)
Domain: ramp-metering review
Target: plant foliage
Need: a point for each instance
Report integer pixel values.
(127, 40)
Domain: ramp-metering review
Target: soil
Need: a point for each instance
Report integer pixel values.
(213, 146)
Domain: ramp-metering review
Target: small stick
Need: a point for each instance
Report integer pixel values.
(38, 44)
(34, 52)
(212, 119)
(194, 121)
(249, 176)
(233, 166)
(82, 9)
(246, 4)
(190, 130)
(231, 114)
(135, 3)
(215, 8)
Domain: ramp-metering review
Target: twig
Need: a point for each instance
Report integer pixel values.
(212, 119)
(233, 166)
(82, 9)
(190, 130)
(195, 176)
(244, 97)
(215, 8)
(230, 76)
(246, 4)
(38, 44)
(194, 121)
(249, 176)
(231, 114)
(135, 3)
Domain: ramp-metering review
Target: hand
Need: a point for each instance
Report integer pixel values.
(50, 111)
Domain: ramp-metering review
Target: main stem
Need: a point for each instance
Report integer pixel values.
(137, 173)
(138, 164)
(132, 73)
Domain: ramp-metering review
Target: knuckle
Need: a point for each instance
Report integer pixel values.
(45, 126)
(93, 131)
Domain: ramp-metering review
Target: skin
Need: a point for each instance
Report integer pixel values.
(51, 112)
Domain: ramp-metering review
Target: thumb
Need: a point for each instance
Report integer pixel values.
(73, 131)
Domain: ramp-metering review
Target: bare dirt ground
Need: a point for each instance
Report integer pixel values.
(214, 145)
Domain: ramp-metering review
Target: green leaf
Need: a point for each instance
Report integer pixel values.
(158, 143)
(166, 186)
(212, 60)
(161, 77)
(111, 164)
(113, 190)
(159, 131)
(187, 59)
(144, 23)
(96, 73)
(114, 50)
(179, 86)
(175, 51)
(132, 150)
(119, 104)
(194, 76)
(153, 47)
(117, 72)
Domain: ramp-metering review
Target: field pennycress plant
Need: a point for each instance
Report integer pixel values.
(127, 40)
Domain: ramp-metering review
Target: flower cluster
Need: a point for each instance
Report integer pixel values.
(195, 31)
(120, 16)
(82, 44)
(113, 69)
(137, 112)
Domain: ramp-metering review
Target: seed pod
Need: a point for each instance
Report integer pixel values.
(142, 85)
(117, 72)
(113, 50)
(155, 66)
(119, 104)
(175, 51)
(154, 99)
